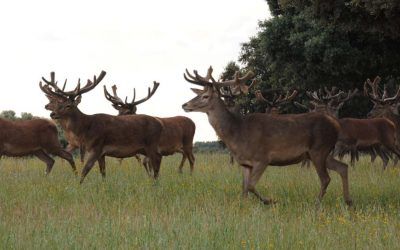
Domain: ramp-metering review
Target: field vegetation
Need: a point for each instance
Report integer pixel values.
(203, 211)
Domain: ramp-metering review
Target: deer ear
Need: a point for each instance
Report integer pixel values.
(197, 91)
(78, 100)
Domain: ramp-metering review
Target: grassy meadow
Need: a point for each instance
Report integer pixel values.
(128, 210)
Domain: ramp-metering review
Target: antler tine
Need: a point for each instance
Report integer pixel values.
(89, 85)
(373, 85)
(314, 96)
(133, 98)
(207, 78)
(150, 94)
(261, 98)
(385, 93)
(190, 78)
(236, 80)
(332, 94)
(226, 93)
(113, 99)
(394, 98)
(350, 94)
(287, 98)
(375, 95)
(114, 89)
(238, 83)
(366, 91)
(52, 82)
(47, 89)
(300, 105)
(65, 84)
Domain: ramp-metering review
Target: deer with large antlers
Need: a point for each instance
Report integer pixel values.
(38, 137)
(356, 135)
(384, 106)
(101, 134)
(258, 140)
(178, 131)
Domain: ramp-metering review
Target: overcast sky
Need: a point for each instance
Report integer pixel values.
(135, 42)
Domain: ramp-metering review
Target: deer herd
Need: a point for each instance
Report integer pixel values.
(255, 140)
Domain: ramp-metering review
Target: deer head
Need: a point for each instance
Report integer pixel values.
(383, 104)
(125, 107)
(211, 93)
(277, 101)
(63, 102)
(329, 101)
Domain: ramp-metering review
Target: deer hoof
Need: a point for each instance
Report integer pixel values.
(349, 203)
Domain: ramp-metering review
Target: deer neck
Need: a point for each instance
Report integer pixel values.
(392, 117)
(76, 122)
(224, 122)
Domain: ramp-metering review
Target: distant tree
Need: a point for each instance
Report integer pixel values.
(26, 116)
(310, 44)
(8, 114)
(208, 147)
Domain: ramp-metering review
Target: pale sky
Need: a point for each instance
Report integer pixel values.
(135, 42)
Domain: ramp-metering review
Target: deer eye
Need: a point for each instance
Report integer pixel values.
(205, 96)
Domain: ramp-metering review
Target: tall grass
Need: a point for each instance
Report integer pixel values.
(203, 211)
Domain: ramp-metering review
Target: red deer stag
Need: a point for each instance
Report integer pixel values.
(178, 131)
(258, 140)
(356, 135)
(101, 134)
(384, 106)
(38, 137)
(73, 141)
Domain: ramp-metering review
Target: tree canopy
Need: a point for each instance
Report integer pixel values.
(310, 44)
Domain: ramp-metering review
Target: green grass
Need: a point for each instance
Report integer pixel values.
(203, 211)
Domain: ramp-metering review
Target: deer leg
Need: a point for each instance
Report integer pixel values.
(92, 158)
(353, 156)
(120, 161)
(342, 169)
(395, 160)
(373, 154)
(182, 162)
(231, 160)
(246, 181)
(155, 161)
(70, 148)
(138, 159)
(82, 153)
(191, 161)
(66, 156)
(305, 163)
(394, 150)
(146, 165)
(102, 166)
(255, 175)
(45, 158)
(320, 166)
(385, 160)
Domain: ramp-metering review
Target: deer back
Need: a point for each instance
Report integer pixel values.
(18, 138)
